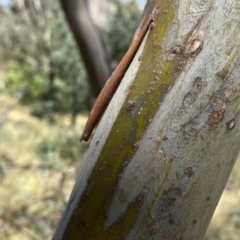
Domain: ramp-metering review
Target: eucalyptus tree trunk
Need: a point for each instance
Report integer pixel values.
(164, 149)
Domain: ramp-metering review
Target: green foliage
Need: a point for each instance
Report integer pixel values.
(40, 59)
(123, 22)
(62, 144)
(20, 74)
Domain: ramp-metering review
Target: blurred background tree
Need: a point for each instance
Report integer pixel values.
(40, 59)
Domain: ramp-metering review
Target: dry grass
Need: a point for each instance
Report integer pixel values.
(38, 166)
(225, 223)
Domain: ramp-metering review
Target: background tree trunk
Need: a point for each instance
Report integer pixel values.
(87, 20)
(157, 169)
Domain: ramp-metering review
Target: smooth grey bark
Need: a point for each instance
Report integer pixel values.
(90, 38)
(172, 165)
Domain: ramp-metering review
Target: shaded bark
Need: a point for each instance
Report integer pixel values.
(157, 170)
(90, 38)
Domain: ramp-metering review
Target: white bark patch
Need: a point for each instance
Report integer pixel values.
(190, 12)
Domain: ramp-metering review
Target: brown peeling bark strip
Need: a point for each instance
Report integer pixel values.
(112, 84)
